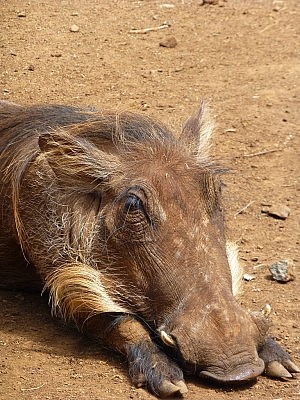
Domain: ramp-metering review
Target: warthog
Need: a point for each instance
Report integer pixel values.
(121, 222)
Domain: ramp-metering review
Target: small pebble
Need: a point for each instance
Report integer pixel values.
(230, 130)
(277, 7)
(279, 271)
(278, 211)
(167, 5)
(248, 277)
(170, 42)
(74, 28)
(212, 2)
(21, 14)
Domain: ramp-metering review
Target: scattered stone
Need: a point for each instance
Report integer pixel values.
(30, 67)
(56, 55)
(170, 42)
(278, 5)
(178, 69)
(144, 105)
(167, 5)
(74, 14)
(258, 266)
(212, 2)
(230, 130)
(13, 53)
(248, 277)
(279, 271)
(278, 211)
(21, 14)
(74, 28)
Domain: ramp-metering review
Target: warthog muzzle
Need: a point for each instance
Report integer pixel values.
(241, 373)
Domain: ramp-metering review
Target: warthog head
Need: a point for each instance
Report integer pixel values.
(159, 237)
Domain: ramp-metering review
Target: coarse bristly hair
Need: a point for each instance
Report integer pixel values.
(81, 128)
(198, 131)
(66, 286)
(73, 148)
(235, 267)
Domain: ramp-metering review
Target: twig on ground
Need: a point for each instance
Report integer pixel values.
(269, 26)
(244, 208)
(33, 388)
(261, 153)
(146, 30)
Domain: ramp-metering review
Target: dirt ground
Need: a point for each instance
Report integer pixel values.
(243, 56)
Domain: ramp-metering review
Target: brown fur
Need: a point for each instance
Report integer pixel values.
(123, 223)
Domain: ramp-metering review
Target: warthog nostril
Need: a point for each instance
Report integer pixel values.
(240, 374)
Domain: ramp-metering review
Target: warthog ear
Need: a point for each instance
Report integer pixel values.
(77, 162)
(197, 132)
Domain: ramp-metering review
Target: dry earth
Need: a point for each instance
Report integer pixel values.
(241, 55)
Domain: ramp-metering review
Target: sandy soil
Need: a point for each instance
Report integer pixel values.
(241, 55)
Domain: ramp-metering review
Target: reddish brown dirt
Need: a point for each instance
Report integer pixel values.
(244, 57)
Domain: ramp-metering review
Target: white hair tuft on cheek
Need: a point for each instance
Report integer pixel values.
(235, 267)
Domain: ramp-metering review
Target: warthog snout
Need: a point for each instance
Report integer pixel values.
(217, 340)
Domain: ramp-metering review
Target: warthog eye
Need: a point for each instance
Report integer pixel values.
(134, 213)
(133, 203)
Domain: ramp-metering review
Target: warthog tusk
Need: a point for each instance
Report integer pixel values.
(167, 339)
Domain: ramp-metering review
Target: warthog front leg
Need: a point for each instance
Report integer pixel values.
(78, 292)
(148, 365)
